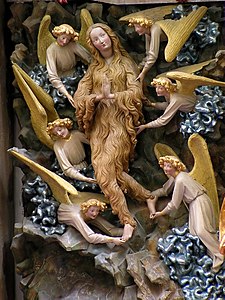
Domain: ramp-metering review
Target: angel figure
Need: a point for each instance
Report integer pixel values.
(150, 23)
(68, 148)
(179, 96)
(76, 208)
(108, 107)
(79, 216)
(187, 187)
(62, 56)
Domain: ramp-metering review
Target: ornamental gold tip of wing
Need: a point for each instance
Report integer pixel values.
(178, 31)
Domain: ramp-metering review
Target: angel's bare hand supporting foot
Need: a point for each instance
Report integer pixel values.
(151, 205)
(127, 232)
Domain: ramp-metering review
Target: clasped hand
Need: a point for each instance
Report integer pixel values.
(106, 90)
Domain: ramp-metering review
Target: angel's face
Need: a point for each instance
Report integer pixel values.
(161, 90)
(141, 30)
(169, 170)
(63, 39)
(92, 212)
(100, 39)
(61, 132)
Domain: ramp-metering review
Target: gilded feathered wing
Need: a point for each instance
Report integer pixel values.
(40, 104)
(45, 39)
(86, 22)
(189, 68)
(163, 150)
(177, 31)
(202, 170)
(61, 189)
(186, 82)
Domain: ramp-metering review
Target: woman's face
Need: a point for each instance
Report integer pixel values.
(61, 132)
(169, 169)
(63, 39)
(100, 39)
(92, 212)
(141, 30)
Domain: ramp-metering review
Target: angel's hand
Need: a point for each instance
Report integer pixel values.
(70, 98)
(140, 128)
(155, 215)
(91, 180)
(140, 77)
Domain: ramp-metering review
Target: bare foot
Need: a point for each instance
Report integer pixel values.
(127, 232)
(151, 205)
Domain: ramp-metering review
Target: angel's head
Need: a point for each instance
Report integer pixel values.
(64, 34)
(141, 25)
(60, 128)
(165, 83)
(92, 208)
(171, 165)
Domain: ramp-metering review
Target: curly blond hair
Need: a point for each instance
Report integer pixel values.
(65, 29)
(92, 202)
(174, 161)
(147, 23)
(164, 81)
(66, 122)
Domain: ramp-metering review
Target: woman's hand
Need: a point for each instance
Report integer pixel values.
(141, 128)
(106, 90)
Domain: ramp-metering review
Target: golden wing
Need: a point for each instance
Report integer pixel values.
(190, 68)
(152, 14)
(61, 189)
(163, 150)
(45, 39)
(86, 22)
(203, 170)
(40, 114)
(178, 31)
(186, 82)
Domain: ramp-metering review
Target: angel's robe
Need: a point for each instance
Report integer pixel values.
(70, 153)
(61, 60)
(152, 45)
(201, 214)
(72, 215)
(177, 102)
